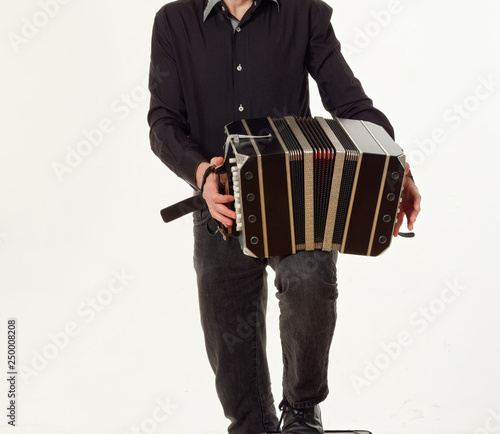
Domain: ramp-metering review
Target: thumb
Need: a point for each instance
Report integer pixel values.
(217, 161)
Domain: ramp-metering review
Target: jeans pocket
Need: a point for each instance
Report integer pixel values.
(201, 217)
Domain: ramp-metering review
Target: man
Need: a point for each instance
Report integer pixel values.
(214, 62)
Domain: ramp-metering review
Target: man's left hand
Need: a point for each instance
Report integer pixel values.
(410, 206)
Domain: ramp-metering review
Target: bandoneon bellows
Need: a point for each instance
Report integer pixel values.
(313, 183)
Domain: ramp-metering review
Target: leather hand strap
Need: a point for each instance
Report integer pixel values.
(209, 170)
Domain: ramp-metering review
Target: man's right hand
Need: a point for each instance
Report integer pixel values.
(215, 201)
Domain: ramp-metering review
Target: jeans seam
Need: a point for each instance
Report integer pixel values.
(257, 374)
(263, 410)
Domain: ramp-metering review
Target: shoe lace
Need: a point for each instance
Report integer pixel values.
(284, 406)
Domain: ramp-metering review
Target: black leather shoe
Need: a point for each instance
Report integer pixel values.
(300, 420)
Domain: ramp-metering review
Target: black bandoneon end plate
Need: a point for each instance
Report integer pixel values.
(313, 183)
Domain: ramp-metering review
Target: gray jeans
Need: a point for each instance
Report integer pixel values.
(233, 297)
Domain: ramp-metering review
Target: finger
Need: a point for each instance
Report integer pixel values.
(416, 205)
(212, 195)
(215, 198)
(220, 217)
(412, 216)
(223, 198)
(221, 209)
(224, 210)
(398, 224)
(409, 224)
(217, 161)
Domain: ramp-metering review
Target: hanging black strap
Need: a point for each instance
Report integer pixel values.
(182, 208)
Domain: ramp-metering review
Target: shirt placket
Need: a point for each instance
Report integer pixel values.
(241, 103)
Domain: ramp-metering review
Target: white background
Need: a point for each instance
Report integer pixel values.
(137, 357)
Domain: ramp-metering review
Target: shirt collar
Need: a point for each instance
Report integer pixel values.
(211, 3)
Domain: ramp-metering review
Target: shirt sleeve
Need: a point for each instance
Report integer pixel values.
(169, 129)
(341, 92)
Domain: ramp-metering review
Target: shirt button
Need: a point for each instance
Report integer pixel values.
(238, 29)
(223, 8)
(239, 67)
(241, 108)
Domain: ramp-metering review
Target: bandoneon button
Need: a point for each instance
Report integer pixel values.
(250, 197)
(382, 240)
(254, 240)
(387, 218)
(252, 218)
(391, 197)
(395, 175)
(248, 175)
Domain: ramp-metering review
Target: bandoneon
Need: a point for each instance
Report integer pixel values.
(312, 183)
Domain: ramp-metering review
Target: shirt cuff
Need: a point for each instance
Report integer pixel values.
(188, 166)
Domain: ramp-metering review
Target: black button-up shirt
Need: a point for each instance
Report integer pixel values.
(206, 73)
